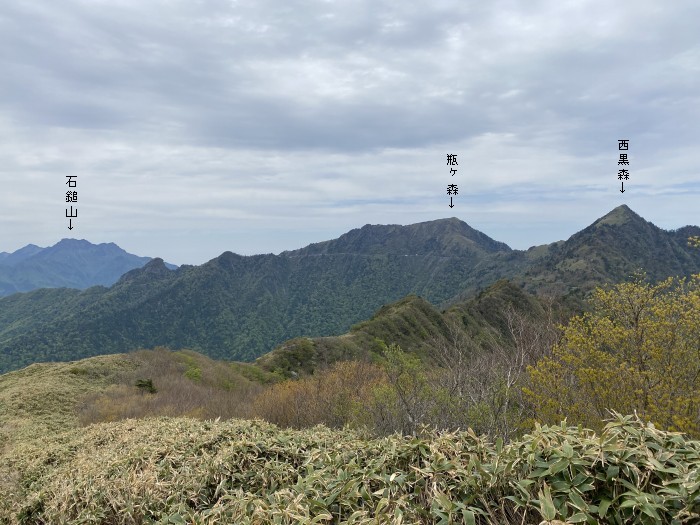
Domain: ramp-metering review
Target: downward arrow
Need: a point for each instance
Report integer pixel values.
(451, 205)
(70, 224)
(623, 187)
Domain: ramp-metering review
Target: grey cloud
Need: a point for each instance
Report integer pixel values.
(203, 71)
(202, 103)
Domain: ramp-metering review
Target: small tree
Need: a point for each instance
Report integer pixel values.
(407, 389)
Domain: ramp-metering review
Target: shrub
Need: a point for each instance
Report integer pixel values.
(146, 385)
(637, 351)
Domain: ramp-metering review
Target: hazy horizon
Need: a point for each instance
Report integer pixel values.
(315, 241)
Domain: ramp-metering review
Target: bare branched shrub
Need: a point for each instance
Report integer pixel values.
(207, 394)
(479, 385)
(335, 397)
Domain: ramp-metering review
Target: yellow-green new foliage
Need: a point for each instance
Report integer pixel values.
(639, 350)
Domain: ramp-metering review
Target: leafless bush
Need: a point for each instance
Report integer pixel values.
(480, 385)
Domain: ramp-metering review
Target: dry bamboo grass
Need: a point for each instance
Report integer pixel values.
(179, 470)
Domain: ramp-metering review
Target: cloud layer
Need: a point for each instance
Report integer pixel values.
(199, 127)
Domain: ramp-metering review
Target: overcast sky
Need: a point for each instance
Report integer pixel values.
(200, 126)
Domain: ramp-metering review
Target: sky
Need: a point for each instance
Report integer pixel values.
(193, 127)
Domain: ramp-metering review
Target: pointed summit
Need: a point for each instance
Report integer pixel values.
(613, 248)
(618, 216)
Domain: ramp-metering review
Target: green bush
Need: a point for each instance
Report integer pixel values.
(146, 385)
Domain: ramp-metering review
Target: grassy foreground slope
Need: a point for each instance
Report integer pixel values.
(47, 398)
(42, 398)
(180, 470)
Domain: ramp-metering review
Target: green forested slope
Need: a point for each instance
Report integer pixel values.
(415, 325)
(612, 248)
(232, 307)
(237, 307)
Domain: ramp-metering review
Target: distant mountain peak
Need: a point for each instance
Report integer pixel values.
(154, 269)
(155, 262)
(71, 244)
(20, 255)
(440, 237)
(71, 240)
(29, 247)
(618, 216)
(70, 263)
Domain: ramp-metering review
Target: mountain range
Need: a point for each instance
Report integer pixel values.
(241, 307)
(70, 263)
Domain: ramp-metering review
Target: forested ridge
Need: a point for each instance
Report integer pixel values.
(241, 307)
